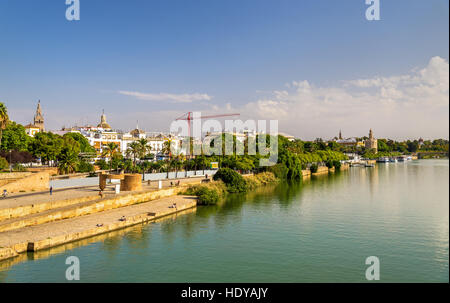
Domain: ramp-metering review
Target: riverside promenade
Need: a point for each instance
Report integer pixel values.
(36, 221)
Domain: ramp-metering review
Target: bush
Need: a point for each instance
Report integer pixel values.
(279, 170)
(19, 168)
(329, 164)
(102, 164)
(314, 168)
(337, 164)
(260, 179)
(85, 167)
(207, 196)
(234, 181)
(3, 163)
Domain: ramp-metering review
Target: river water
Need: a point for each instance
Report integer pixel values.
(320, 230)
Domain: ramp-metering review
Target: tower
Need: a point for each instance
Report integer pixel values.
(340, 135)
(372, 143)
(39, 118)
(103, 124)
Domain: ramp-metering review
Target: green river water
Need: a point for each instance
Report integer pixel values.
(320, 230)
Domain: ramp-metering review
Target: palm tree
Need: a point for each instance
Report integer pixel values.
(67, 161)
(167, 148)
(134, 150)
(3, 119)
(109, 151)
(144, 149)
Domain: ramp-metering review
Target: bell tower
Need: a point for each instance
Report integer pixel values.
(39, 118)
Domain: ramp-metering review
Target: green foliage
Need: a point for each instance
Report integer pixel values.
(68, 160)
(85, 147)
(329, 164)
(46, 146)
(371, 155)
(85, 167)
(279, 170)
(14, 137)
(3, 163)
(260, 180)
(313, 168)
(337, 164)
(102, 164)
(19, 168)
(234, 181)
(207, 196)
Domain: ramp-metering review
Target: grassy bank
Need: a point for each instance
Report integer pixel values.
(228, 181)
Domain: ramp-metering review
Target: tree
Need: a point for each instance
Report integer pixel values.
(143, 149)
(109, 151)
(3, 163)
(14, 137)
(167, 148)
(67, 160)
(234, 181)
(133, 150)
(85, 147)
(46, 146)
(3, 119)
(68, 157)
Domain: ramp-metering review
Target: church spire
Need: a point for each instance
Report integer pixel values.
(39, 117)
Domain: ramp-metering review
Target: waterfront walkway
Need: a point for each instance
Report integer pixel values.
(26, 199)
(55, 233)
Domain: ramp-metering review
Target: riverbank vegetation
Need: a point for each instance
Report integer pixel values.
(228, 181)
(73, 153)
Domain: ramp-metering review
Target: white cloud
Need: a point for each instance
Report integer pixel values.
(177, 98)
(402, 106)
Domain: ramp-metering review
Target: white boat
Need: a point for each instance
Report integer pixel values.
(383, 160)
(409, 158)
(393, 159)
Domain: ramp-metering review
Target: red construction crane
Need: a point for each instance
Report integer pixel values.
(188, 116)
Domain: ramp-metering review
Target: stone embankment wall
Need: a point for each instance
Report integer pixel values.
(27, 182)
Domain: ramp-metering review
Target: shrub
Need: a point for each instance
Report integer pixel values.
(3, 163)
(85, 167)
(102, 164)
(234, 181)
(314, 168)
(279, 170)
(260, 179)
(329, 164)
(337, 164)
(19, 168)
(207, 196)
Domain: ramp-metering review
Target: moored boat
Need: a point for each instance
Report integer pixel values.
(383, 160)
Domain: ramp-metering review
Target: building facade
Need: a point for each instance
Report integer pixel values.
(38, 122)
(371, 143)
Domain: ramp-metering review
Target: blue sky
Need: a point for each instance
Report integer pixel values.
(153, 60)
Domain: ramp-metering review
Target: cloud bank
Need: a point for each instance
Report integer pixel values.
(412, 105)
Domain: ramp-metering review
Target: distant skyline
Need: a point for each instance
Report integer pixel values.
(316, 66)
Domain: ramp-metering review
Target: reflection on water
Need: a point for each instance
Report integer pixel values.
(319, 230)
